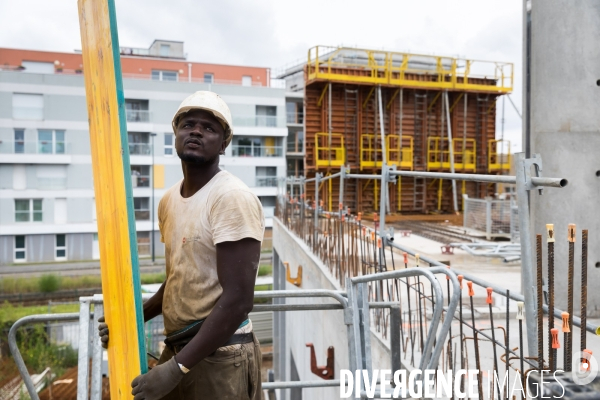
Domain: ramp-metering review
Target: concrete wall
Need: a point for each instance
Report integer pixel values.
(565, 130)
(292, 330)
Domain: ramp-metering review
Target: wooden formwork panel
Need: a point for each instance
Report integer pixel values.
(413, 113)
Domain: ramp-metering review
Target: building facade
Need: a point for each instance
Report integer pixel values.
(47, 208)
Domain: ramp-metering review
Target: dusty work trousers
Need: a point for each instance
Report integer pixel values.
(225, 375)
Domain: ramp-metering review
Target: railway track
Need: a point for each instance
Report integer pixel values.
(435, 231)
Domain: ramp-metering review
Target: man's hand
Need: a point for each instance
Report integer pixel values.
(103, 332)
(158, 382)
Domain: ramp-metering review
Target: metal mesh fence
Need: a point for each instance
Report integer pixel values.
(494, 217)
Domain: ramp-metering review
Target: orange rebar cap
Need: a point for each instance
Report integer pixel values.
(460, 279)
(359, 217)
(378, 243)
(585, 363)
(417, 258)
(375, 217)
(489, 295)
(448, 276)
(565, 322)
(555, 342)
(405, 254)
(470, 286)
(341, 206)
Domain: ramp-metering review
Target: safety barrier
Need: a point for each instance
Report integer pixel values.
(327, 154)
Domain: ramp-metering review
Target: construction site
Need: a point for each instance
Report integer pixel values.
(415, 257)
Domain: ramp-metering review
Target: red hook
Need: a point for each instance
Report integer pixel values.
(325, 372)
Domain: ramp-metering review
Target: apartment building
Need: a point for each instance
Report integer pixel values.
(47, 208)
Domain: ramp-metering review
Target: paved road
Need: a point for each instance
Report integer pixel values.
(84, 268)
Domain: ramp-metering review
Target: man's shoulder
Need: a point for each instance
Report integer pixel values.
(227, 183)
(170, 191)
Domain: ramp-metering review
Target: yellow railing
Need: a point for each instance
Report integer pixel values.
(380, 67)
(398, 154)
(438, 154)
(400, 151)
(499, 161)
(325, 156)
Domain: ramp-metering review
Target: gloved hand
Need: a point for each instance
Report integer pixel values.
(103, 332)
(158, 382)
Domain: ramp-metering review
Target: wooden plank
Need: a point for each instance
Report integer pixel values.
(114, 202)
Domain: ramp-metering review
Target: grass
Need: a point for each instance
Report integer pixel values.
(52, 283)
(265, 270)
(9, 313)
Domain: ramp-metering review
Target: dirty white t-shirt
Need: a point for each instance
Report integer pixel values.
(224, 210)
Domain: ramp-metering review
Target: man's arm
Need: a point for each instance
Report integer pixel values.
(153, 307)
(237, 264)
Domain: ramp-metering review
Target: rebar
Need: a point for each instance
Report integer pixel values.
(540, 302)
(520, 316)
(507, 338)
(551, 350)
(584, 262)
(475, 341)
(569, 344)
(489, 300)
(460, 327)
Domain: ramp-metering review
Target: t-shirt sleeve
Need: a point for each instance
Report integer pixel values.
(237, 214)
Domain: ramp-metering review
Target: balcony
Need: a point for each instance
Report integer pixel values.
(137, 115)
(140, 149)
(268, 121)
(33, 147)
(295, 118)
(266, 181)
(257, 151)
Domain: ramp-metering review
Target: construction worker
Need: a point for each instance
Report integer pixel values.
(212, 226)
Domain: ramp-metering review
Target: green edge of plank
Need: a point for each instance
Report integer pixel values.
(137, 291)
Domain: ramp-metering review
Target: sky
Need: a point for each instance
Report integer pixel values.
(276, 33)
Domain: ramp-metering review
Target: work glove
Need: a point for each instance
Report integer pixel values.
(158, 382)
(103, 332)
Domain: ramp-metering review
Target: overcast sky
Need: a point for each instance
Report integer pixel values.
(271, 33)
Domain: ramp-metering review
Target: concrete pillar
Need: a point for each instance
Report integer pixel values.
(565, 130)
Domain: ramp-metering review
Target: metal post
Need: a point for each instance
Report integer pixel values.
(395, 338)
(451, 148)
(488, 218)
(316, 210)
(83, 360)
(96, 385)
(384, 170)
(526, 255)
(152, 229)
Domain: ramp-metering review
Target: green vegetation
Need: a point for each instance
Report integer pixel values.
(9, 313)
(51, 283)
(39, 353)
(265, 270)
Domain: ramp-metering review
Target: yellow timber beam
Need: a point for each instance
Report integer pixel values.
(112, 186)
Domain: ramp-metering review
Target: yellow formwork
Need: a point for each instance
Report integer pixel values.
(326, 156)
(379, 67)
(117, 261)
(499, 161)
(396, 153)
(438, 154)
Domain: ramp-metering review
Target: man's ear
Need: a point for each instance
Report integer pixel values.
(223, 147)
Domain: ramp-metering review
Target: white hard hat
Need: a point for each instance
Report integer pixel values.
(209, 101)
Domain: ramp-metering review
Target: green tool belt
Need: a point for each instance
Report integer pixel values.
(177, 340)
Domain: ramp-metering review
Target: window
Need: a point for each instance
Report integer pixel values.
(295, 142)
(137, 110)
(61, 247)
(169, 145)
(140, 175)
(246, 80)
(266, 116)
(19, 141)
(38, 67)
(51, 141)
(158, 75)
(143, 243)
(139, 143)
(28, 106)
(28, 210)
(165, 49)
(248, 147)
(209, 78)
(295, 167)
(294, 112)
(20, 248)
(266, 176)
(141, 208)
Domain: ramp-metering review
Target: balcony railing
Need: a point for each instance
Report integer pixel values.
(140, 149)
(268, 121)
(295, 118)
(140, 180)
(266, 181)
(257, 151)
(34, 147)
(51, 183)
(137, 115)
(181, 77)
(142, 215)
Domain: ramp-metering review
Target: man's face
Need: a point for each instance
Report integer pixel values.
(199, 137)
